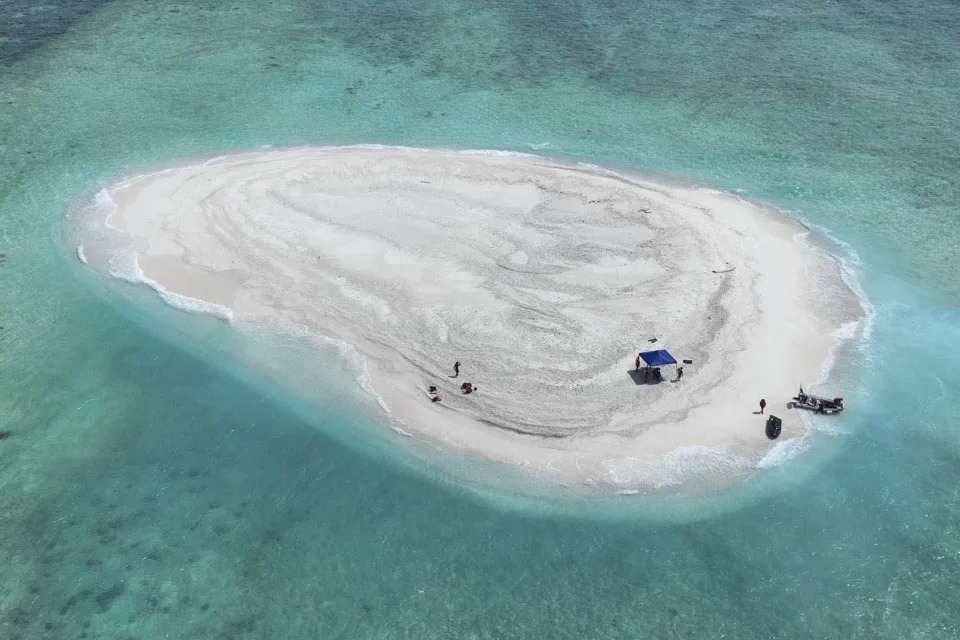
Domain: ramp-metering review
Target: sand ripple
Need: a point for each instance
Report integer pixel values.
(543, 279)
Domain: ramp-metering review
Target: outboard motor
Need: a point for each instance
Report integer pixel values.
(774, 424)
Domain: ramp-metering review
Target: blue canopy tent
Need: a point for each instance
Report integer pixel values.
(658, 358)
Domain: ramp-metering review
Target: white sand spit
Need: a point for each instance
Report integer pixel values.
(543, 279)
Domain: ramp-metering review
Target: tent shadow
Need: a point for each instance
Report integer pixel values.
(637, 377)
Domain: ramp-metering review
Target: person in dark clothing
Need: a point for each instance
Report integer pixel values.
(763, 405)
(456, 369)
(435, 399)
(638, 363)
(679, 373)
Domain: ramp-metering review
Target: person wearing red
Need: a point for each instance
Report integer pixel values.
(763, 405)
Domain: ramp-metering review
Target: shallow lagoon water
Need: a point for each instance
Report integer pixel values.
(152, 488)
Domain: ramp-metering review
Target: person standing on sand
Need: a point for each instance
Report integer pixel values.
(456, 369)
(638, 362)
(763, 405)
(679, 374)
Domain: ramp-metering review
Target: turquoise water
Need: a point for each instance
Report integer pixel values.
(154, 487)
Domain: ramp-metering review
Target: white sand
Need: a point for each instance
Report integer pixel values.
(543, 279)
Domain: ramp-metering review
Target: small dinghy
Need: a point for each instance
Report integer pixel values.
(774, 425)
(815, 403)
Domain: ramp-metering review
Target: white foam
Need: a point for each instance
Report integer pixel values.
(497, 153)
(783, 451)
(841, 336)
(347, 352)
(848, 250)
(850, 279)
(858, 331)
(214, 160)
(105, 207)
(124, 264)
(848, 261)
(81, 255)
(696, 459)
(188, 304)
(677, 467)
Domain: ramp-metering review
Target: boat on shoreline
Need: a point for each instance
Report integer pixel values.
(815, 403)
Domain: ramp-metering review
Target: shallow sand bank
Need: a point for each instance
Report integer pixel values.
(543, 279)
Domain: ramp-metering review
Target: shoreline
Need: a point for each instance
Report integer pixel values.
(617, 450)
